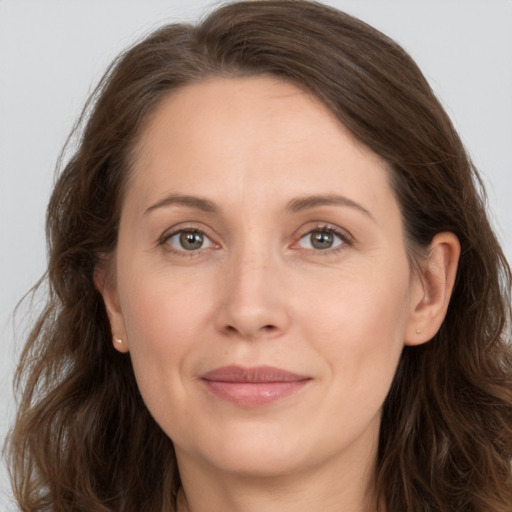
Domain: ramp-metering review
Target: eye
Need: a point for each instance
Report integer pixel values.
(321, 239)
(189, 240)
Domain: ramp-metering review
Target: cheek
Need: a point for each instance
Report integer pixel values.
(156, 318)
(163, 321)
(162, 306)
(359, 329)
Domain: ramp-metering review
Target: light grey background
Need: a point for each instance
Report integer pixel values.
(52, 52)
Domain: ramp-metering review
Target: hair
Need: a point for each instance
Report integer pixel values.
(83, 439)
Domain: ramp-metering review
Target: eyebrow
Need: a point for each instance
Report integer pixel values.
(198, 203)
(304, 203)
(294, 206)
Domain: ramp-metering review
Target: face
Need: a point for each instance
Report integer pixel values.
(262, 284)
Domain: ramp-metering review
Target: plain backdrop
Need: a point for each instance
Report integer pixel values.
(52, 52)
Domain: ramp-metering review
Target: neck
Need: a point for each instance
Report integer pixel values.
(329, 487)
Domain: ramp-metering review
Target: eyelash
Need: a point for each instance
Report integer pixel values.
(164, 241)
(346, 240)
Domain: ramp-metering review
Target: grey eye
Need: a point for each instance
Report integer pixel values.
(320, 239)
(189, 240)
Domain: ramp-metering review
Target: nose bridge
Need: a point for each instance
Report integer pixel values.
(252, 302)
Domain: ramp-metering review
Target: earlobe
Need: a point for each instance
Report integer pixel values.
(432, 289)
(105, 284)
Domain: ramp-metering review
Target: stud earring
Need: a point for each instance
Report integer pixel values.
(118, 340)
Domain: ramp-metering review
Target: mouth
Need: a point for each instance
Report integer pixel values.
(253, 387)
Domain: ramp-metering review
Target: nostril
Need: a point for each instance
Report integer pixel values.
(265, 328)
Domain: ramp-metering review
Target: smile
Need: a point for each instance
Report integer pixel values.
(252, 387)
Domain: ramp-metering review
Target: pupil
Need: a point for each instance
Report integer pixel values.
(322, 239)
(191, 241)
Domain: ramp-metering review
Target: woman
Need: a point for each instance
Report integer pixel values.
(273, 286)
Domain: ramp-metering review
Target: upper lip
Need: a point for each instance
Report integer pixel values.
(255, 374)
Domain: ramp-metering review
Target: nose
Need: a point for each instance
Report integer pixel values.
(253, 298)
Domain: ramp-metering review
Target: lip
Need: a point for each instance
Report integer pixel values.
(254, 386)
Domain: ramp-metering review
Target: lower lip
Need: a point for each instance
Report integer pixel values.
(254, 394)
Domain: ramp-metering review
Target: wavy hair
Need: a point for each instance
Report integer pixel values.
(83, 439)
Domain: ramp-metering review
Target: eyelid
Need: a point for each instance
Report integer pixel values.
(204, 240)
(175, 230)
(346, 238)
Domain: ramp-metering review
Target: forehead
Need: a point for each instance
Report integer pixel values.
(249, 109)
(228, 136)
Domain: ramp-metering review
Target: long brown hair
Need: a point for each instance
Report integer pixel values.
(84, 440)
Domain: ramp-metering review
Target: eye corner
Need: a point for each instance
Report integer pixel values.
(186, 240)
(323, 239)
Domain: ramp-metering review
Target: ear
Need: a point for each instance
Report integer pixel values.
(432, 288)
(106, 285)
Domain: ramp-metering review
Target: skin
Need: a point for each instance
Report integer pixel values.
(258, 293)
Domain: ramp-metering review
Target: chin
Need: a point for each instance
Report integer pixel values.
(252, 451)
(258, 461)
